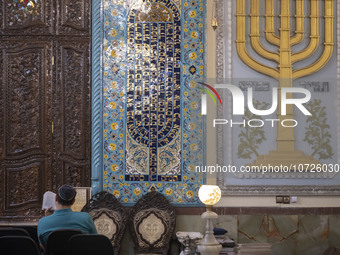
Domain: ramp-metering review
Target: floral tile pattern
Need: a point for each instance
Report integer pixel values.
(153, 133)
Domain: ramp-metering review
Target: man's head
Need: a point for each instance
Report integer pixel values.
(66, 194)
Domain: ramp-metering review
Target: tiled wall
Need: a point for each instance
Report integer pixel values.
(146, 99)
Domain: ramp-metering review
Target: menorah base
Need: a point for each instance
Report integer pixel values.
(290, 159)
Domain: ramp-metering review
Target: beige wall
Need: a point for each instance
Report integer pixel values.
(245, 201)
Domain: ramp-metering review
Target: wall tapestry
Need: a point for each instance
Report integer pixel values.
(148, 56)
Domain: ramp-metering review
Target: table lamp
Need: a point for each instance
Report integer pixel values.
(209, 195)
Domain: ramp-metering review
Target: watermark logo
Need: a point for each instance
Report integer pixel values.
(238, 101)
(204, 97)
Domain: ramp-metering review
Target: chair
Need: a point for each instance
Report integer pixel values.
(152, 223)
(90, 245)
(109, 217)
(32, 231)
(18, 245)
(57, 241)
(13, 232)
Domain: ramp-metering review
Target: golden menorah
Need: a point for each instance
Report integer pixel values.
(284, 57)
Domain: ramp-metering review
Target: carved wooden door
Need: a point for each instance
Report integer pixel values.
(44, 102)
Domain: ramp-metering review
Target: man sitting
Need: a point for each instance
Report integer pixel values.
(63, 217)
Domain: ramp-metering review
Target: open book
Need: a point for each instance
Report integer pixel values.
(49, 200)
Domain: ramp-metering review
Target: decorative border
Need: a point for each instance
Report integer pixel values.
(97, 94)
(225, 27)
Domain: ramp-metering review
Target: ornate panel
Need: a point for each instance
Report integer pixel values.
(29, 192)
(44, 101)
(27, 93)
(73, 17)
(26, 128)
(153, 132)
(152, 222)
(147, 105)
(109, 217)
(72, 119)
(26, 17)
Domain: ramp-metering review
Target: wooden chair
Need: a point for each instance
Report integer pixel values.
(109, 217)
(14, 245)
(152, 223)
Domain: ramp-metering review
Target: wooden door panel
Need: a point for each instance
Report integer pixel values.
(45, 122)
(73, 125)
(73, 17)
(24, 188)
(26, 125)
(26, 17)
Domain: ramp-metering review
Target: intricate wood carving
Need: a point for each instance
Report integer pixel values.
(152, 207)
(72, 118)
(29, 17)
(109, 216)
(25, 104)
(25, 98)
(18, 178)
(45, 131)
(73, 17)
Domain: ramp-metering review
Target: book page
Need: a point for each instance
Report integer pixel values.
(80, 199)
(49, 200)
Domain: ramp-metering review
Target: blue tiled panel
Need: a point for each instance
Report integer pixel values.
(152, 134)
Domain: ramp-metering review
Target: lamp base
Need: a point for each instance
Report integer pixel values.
(209, 245)
(209, 249)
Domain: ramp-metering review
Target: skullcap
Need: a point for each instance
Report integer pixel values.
(67, 192)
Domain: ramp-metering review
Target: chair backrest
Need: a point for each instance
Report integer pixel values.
(57, 241)
(90, 245)
(152, 223)
(13, 232)
(109, 217)
(14, 245)
(32, 231)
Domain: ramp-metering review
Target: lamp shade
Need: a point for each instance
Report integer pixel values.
(209, 194)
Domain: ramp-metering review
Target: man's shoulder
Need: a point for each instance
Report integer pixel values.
(81, 214)
(46, 219)
(46, 222)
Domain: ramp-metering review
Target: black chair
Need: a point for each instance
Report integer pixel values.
(18, 245)
(13, 232)
(32, 231)
(57, 241)
(90, 245)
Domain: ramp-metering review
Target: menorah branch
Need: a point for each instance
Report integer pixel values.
(241, 44)
(255, 34)
(314, 34)
(299, 27)
(271, 37)
(328, 44)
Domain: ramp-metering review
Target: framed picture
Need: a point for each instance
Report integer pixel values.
(273, 146)
(82, 197)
